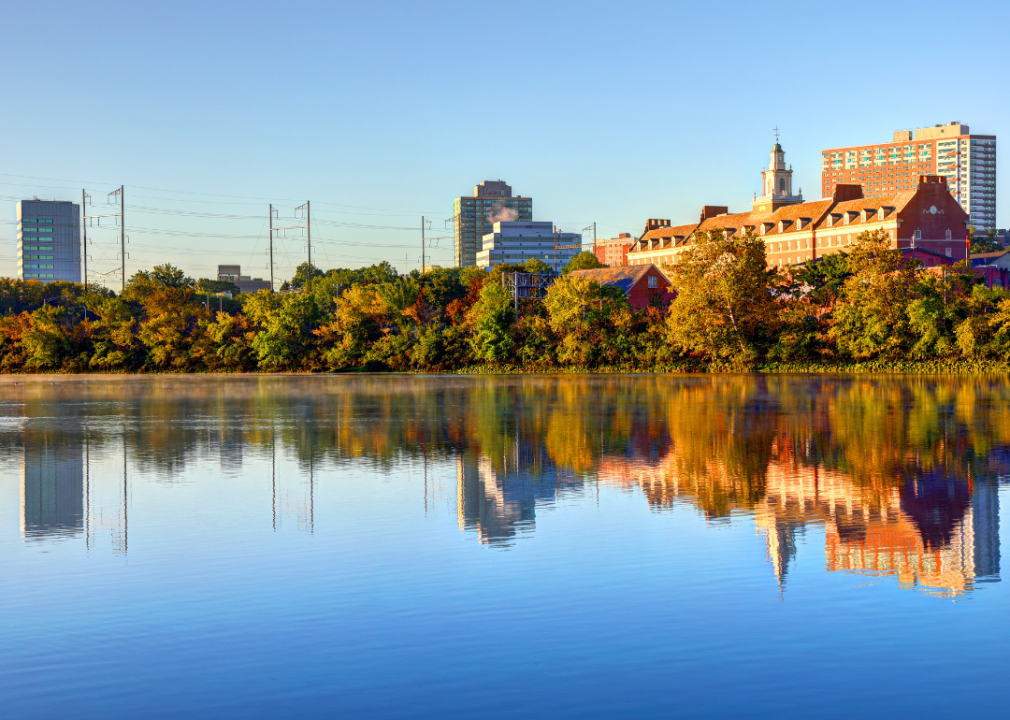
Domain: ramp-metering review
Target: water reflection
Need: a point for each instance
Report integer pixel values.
(52, 487)
(898, 475)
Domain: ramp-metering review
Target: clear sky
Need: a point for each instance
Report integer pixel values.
(381, 112)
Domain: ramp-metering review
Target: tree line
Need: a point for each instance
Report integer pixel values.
(730, 312)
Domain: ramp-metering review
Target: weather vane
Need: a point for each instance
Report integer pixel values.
(776, 133)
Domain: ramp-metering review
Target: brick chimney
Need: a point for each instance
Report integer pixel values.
(844, 192)
(711, 211)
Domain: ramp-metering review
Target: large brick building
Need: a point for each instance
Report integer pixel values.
(613, 252)
(925, 214)
(968, 162)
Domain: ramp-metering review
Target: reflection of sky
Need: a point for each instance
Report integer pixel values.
(226, 605)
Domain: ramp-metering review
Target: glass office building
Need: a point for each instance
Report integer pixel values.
(49, 240)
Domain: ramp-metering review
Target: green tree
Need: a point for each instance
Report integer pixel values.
(217, 286)
(585, 260)
(724, 310)
(492, 317)
(304, 273)
(872, 318)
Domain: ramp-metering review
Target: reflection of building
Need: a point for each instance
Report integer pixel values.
(52, 490)
(500, 502)
(934, 532)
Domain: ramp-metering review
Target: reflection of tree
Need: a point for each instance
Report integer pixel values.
(879, 463)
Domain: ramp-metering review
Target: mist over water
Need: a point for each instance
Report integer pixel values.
(563, 546)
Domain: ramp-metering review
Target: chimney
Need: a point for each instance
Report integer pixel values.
(711, 211)
(845, 192)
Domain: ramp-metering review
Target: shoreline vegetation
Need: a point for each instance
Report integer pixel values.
(864, 311)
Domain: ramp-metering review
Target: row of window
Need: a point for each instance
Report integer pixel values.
(36, 220)
(40, 240)
(39, 257)
(40, 276)
(36, 230)
(39, 267)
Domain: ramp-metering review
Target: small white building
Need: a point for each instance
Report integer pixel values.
(516, 242)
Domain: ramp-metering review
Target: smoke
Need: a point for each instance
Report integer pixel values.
(503, 214)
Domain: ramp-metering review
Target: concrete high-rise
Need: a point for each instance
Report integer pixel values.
(49, 240)
(475, 217)
(968, 162)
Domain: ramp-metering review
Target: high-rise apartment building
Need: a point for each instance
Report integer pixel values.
(475, 217)
(49, 240)
(968, 162)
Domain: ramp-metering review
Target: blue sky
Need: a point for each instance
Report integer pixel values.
(381, 112)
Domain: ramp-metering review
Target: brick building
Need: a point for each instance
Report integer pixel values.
(925, 214)
(643, 285)
(613, 252)
(968, 162)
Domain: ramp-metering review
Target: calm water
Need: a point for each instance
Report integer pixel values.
(575, 547)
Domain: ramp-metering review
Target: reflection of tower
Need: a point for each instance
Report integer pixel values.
(985, 529)
(499, 502)
(52, 489)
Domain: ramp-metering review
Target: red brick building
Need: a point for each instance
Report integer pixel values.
(925, 215)
(613, 252)
(644, 285)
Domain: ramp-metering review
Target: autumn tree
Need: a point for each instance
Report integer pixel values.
(725, 310)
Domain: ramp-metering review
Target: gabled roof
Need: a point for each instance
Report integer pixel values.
(669, 232)
(897, 201)
(992, 255)
(622, 277)
(924, 251)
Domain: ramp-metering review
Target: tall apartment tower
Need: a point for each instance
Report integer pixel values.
(968, 162)
(475, 217)
(49, 240)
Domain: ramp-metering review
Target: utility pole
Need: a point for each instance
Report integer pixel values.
(121, 216)
(555, 248)
(271, 247)
(422, 243)
(307, 207)
(122, 233)
(84, 228)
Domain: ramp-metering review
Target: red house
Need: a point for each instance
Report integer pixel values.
(643, 285)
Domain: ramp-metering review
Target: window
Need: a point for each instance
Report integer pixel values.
(948, 234)
(653, 282)
(947, 251)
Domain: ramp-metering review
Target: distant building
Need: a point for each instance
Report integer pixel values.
(246, 284)
(475, 216)
(613, 252)
(643, 285)
(49, 240)
(923, 214)
(517, 242)
(966, 161)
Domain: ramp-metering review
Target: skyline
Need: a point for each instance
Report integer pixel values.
(382, 114)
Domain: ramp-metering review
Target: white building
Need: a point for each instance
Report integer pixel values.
(516, 242)
(49, 240)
